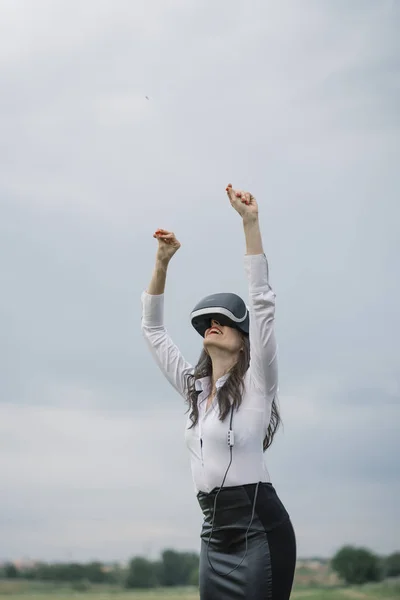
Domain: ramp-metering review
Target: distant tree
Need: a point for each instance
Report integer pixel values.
(70, 572)
(116, 575)
(141, 573)
(10, 571)
(194, 577)
(95, 573)
(74, 572)
(357, 565)
(177, 567)
(392, 565)
(27, 573)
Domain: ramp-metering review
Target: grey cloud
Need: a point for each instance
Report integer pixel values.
(91, 474)
(298, 103)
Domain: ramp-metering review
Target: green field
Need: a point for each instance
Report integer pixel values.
(24, 591)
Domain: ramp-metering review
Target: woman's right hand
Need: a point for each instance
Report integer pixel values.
(167, 245)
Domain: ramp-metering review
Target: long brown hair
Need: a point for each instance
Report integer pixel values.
(231, 389)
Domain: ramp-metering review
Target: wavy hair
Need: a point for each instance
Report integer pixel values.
(232, 388)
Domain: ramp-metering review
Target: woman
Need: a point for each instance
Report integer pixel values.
(248, 547)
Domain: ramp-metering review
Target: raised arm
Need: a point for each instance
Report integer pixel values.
(263, 353)
(164, 351)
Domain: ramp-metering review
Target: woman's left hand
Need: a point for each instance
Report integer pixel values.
(243, 202)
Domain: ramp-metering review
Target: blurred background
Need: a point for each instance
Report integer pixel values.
(119, 117)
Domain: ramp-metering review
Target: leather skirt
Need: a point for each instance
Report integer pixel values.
(248, 546)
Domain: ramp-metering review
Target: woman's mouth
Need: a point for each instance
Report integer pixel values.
(214, 330)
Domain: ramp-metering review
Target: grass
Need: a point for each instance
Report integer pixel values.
(386, 590)
(21, 590)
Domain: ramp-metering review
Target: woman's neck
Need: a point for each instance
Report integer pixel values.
(220, 367)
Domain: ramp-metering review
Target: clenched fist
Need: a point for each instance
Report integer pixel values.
(243, 202)
(167, 245)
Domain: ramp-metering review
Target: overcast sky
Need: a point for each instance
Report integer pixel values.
(297, 102)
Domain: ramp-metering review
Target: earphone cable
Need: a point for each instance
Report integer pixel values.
(214, 509)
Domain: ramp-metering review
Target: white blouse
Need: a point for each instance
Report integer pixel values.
(208, 440)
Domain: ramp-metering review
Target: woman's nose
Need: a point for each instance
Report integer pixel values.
(215, 322)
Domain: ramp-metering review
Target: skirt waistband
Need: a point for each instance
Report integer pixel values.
(230, 497)
(234, 505)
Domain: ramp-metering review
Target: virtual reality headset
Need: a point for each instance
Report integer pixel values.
(227, 309)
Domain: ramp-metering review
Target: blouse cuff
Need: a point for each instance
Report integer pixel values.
(152, 310)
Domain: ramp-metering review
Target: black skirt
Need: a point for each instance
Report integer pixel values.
(248, 545)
